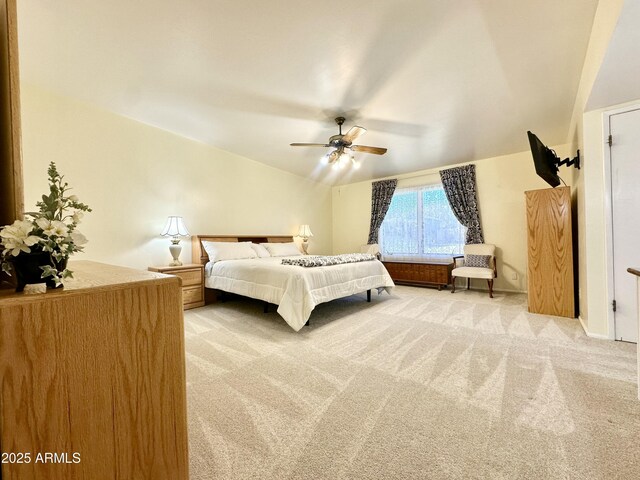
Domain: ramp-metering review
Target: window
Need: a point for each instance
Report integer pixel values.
(420, 223)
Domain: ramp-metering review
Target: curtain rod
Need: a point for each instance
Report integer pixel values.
(418, 175)
(437, 172)
(400, 177)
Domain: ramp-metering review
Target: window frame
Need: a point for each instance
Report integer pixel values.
(418, 190)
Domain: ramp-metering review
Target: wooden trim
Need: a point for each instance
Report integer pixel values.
(200, 257)
(12, 186)
(16, 125)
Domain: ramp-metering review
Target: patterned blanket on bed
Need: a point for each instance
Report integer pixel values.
(323, 261)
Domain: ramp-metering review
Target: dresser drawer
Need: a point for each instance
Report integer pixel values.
(192, 295)
(189, 277)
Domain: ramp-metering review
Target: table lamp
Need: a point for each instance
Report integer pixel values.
(175, 228)
(305, 233)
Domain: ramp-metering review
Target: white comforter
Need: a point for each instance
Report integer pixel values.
(296, 290)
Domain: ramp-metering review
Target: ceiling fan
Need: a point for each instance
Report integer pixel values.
(343, 146)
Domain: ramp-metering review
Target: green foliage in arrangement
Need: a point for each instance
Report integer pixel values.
(53, 229)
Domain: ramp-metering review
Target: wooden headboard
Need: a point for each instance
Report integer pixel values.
(199, 255)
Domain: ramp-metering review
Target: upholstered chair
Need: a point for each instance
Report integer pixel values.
(479, 262)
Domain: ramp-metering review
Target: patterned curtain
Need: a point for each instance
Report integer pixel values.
(381, 194)
(460, 187)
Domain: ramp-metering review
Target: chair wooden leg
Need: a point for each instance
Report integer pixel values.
(453, 284)
(490, 282)
(468, 283)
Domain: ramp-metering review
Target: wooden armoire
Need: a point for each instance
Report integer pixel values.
(550, 252)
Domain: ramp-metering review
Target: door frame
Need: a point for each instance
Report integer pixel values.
(608, 212)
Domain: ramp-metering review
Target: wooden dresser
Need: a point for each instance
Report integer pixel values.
(95, 374)
(423, 274)
(192, 276)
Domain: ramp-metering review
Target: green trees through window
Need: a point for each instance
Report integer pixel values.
(420, 223)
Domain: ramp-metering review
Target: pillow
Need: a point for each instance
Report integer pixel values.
(282, 249)
(481, 261)
(218, 251)
(260, 250)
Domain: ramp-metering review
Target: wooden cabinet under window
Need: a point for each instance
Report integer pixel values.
(96, 369)
(427, 274)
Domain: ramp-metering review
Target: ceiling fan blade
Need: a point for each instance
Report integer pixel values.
(374, 150)
(353, 133)
(310, 145)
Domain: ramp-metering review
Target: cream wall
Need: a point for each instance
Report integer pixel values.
(586, 133)
(501, 183)
(134, 176)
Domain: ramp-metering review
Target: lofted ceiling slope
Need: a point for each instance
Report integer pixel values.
(435, 82)
(617, 80)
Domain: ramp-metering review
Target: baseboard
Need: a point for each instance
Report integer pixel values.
(496, 290)
(485, 289)
(592, 335)
(506, 290)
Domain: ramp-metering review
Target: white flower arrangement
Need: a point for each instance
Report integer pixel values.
(52, 229)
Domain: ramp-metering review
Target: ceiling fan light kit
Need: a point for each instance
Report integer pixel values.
(340, 159)
(343, 147)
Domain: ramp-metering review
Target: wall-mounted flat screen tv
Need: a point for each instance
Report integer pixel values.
(546, 161)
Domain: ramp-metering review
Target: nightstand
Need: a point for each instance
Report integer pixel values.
(192, 276)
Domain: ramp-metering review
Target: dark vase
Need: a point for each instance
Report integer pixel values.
(26, 267)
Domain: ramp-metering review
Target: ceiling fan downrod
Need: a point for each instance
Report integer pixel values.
(340, 121)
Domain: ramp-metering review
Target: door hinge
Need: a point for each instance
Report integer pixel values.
(614, 305)
(610, 140)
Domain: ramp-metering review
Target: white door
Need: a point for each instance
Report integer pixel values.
(625, 200)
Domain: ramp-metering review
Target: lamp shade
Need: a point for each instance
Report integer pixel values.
(305, 231)
(175, 228)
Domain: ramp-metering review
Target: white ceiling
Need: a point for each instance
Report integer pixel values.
(618, 79)
(436, 82)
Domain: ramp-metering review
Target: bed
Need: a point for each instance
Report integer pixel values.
(295, 289)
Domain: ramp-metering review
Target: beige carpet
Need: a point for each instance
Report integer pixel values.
(421, 384)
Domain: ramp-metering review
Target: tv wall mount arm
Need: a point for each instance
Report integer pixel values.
(575, 161)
